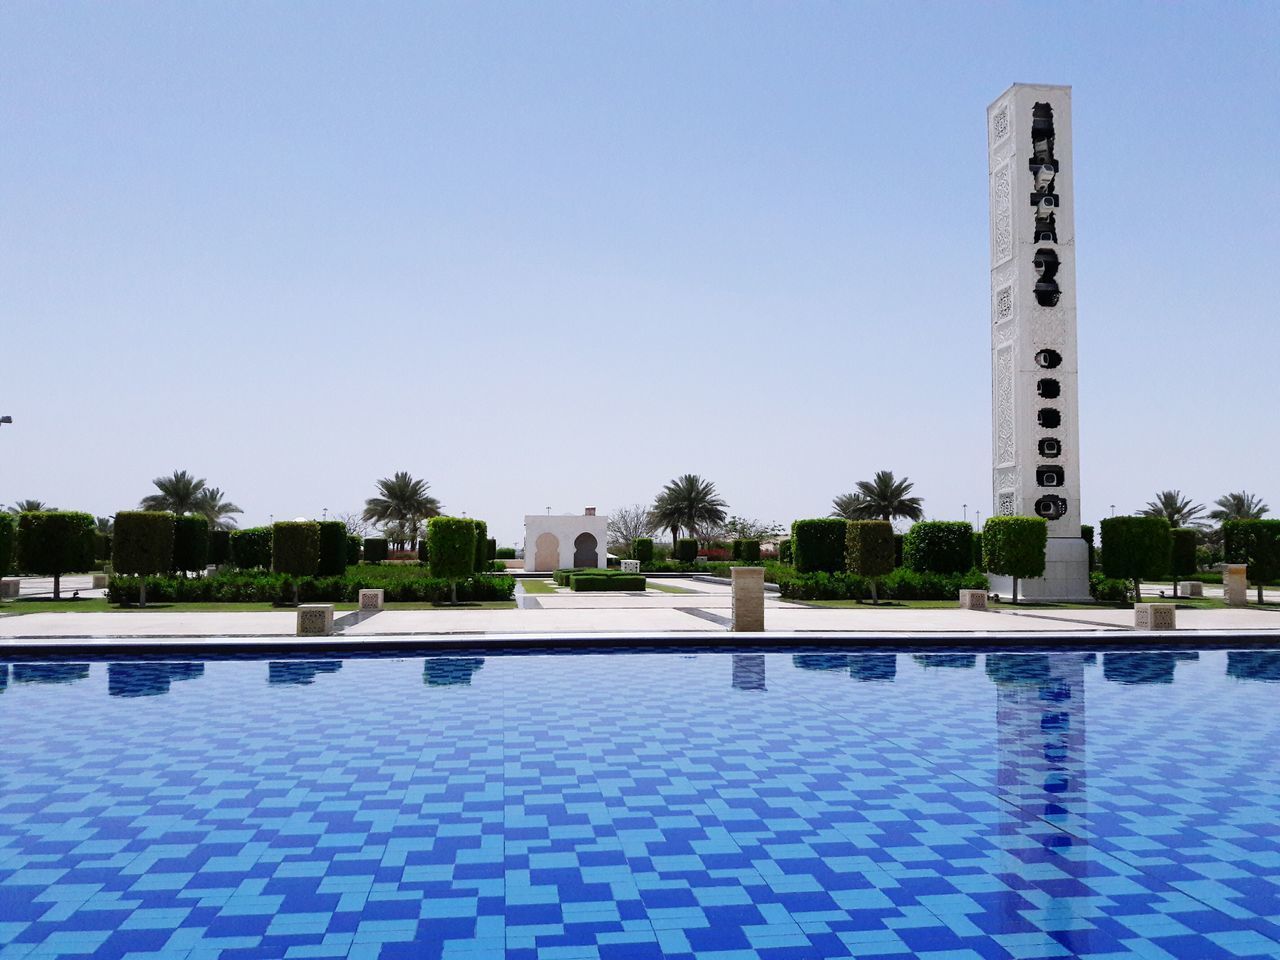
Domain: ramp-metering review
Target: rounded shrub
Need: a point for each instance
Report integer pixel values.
(451, 543)
(56, 542)
(642, 549)
(686, 550)
(938, 546)
(1136, 549)
(295, 547)
(748, 551)
(869, 550)
(375, 549)
(1014, 547)
(142, 545)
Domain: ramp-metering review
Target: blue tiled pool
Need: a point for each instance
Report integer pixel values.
(713, 805)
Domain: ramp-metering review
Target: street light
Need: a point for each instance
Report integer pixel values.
(966, 512)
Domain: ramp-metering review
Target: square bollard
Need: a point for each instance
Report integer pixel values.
(9, 589)
(1154, 616)
(973, 600)
(371, 600)
(100, 581)
(1190, 588)
(315, 619)
(1235, 584)
(630, 566)
(748, 599)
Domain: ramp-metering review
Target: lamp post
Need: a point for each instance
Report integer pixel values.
(6, 419)
(965, 507)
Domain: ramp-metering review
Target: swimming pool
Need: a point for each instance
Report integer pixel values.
(718, 805)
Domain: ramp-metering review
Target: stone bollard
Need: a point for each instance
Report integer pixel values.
(371, 600)
(973, 600)
(1154, 616)
(106, 568)
(9, 589)
(315, 619)
(630, 566)
(748, 599)
(1190, 588)
(1235, 584)
(100, 581)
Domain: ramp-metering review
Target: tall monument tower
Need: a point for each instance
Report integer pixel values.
(1035, 432)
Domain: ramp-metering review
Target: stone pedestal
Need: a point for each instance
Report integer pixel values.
(973, 600)
(1154, 616)
(1235, 584)
(1066, 575)
(1191, 588)
(315, 619)
(9, 589)
(630, 566)
(748, 599)
(100, 581)
(371, 600)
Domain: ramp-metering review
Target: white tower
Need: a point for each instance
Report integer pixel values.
(1035, 432)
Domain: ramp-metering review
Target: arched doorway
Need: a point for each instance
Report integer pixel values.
(584, 551)
(546, 552)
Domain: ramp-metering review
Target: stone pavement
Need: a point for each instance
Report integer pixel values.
(704, 609)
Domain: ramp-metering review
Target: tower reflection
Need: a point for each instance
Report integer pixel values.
(1254, 665)
(1155, 666)
(133, 679)
(299, 672)
(748, 671)
(450, 671)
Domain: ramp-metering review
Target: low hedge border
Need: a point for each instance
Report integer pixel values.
(240, 586)
(582, 582)
(901, 584)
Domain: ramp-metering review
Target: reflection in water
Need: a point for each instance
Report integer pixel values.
(1040, 780)
(4, 677)
(450, 671)
(1155, 666)
(299, 671)
(821, 661)
(748, 671)
(1254, 665)
(49, 672)
(135, 679)
(873, 666)
(963, 661)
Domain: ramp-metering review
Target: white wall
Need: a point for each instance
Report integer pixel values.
(566, 528)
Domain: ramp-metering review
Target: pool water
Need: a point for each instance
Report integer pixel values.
(714, 805)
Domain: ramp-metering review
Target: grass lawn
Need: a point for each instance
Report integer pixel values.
(537, 586)
(100, 605)
(665, 587)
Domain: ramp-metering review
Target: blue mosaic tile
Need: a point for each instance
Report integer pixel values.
(762, 806)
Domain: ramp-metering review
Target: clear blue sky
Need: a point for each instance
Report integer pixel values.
(555, 254)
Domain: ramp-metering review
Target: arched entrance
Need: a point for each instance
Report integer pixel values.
(546, 553)
(584, 551)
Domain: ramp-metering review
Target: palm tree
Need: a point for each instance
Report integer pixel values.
(1174, 507)
(402, 503)
(178, 494)
(689, 503)
(1238, 506)
(106, 525)
(880, 498)
(216, 510)
(30, 506)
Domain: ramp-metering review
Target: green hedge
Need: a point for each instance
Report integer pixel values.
(56, 542)
(938, 546)
(977, 550)
(1183, 552)
(819, 545)
(686, 550)
(1014, 547)
(190, 543)
(1106, 589)
(259, 586)
(504, 553)
(424, 551)
(295, 547)
(493, 550)
(220, 547)
(642, 549)
(1136, 549)
(581, 582)
(143, 542)
(451, 542)
(101, 546)
(480, 556)
(1256, 543)
(8, 542)
(869, 547)
(375, 549)
(333, 548)
(900, 584)
(748, 550)
(1086, 534)
(784, 550)
(355, 547)
(251, 548)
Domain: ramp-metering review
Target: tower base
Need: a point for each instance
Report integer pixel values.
(1066, 575)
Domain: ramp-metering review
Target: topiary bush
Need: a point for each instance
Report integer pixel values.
(748, 551)
(102, 546)
(938, 546)
(1106, 589)
(190, 543)
(452, 546)
(55, 542)
(686, 550)
(1256, 543)
(869, 550)
(580, 582)
(424, 552)
(143, 544)
(642, 549)
(504, 553)
(1136, 549)
(819, 545)
(295, 549)
(333, 548)
(1182, 555)
(977, 550)
(493, 550)
(375, 549)
(1086, 534)
(481, 556)
(8, 542)
(251, 548)
(1014, 547)
(784, 551)
(355, 547)
(220, 547)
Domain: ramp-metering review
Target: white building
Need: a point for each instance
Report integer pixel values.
(561, 541)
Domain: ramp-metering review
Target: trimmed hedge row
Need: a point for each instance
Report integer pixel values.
(190, 543)
(251, 548)
(686, 550)
(246, 586)
(748, 550)
(581, 582)
(333, 548)
(375, 549)
(819, 545)
(1256, 543)
(8, 542)
(938, 546)
(900, 584)
(642, 549)
(56, 542)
